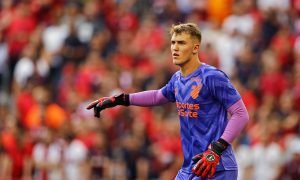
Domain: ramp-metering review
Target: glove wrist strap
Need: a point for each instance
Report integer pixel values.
(126, 100)
(122, 99)
(219, 146)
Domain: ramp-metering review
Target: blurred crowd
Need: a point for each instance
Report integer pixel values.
(56, 56)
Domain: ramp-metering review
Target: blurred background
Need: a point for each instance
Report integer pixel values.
(56, 56)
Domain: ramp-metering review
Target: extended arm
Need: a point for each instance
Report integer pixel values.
(147, 98)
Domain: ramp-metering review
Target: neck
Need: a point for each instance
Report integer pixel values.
(190, 67)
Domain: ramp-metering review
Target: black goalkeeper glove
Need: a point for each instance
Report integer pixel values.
(207, 161)
(108, 102)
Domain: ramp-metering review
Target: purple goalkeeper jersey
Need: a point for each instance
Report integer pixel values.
(202, 99)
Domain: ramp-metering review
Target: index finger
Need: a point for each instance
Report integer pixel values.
(91, 105)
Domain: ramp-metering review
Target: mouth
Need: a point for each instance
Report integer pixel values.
(175, 55)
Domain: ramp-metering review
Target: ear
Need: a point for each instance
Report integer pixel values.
(196, 48)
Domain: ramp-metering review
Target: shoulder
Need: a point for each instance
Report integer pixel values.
(175, 76)
(212, 73)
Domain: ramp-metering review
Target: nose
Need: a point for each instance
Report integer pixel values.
(175, 47)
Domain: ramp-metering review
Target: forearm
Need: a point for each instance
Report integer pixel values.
(238, 120)
(147, 98)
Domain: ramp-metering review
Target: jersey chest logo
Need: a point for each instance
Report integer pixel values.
(190, 89)
(195, 91)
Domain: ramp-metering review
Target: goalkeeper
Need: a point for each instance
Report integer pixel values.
(204, 96)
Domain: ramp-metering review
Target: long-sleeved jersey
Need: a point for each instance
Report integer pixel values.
(202, 99)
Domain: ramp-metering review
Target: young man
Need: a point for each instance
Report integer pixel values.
(203, 96)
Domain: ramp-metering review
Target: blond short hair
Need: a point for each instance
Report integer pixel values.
(189, 28)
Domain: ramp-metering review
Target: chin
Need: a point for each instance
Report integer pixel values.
(176, 62)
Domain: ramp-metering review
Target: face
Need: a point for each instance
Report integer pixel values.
(183, 47)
